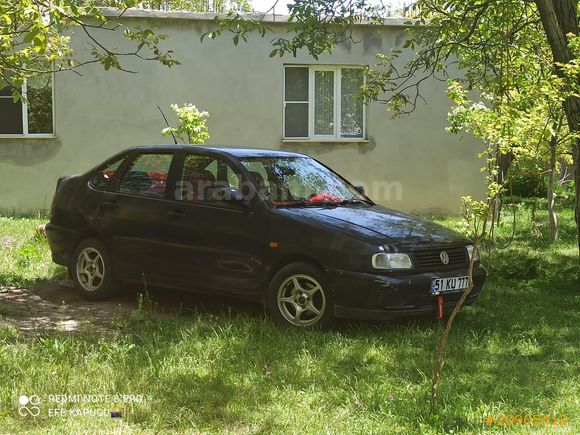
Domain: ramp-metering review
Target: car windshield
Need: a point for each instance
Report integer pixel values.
(300, 181)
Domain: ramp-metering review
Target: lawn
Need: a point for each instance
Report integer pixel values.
(514, 352)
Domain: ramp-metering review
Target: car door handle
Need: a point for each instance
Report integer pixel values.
(177, 214)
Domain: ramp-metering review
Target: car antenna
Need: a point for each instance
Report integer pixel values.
(166, 122)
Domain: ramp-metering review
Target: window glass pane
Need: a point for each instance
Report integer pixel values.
(5, 90)
(233, 179)
(102, 178)
(203, 176)
(324, 102)
(258, 171)
(39, 94)
(10, 112)
(351, 117)
(296, 84)
(296, 117)
(147, 175)
(212, 166)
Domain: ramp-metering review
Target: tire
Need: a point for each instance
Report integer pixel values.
(92, 270)
(298, 295)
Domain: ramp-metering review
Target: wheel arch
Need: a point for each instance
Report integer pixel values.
(283, 262)
(81, 236)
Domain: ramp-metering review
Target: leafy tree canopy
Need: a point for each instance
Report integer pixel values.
(219, 6)
(192, 127)
(35, 34)
(35, 38)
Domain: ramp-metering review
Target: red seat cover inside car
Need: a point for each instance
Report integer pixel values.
(158, 182)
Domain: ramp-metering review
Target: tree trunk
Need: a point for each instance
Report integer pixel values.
(551, 179)
(504, 162)
(559, 17)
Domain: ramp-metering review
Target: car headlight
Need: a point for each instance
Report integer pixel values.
(471, 251)
(391, 261)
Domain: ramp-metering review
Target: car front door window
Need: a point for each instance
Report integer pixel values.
(203, 176)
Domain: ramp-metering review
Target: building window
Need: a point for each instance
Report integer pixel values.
(32, 114)
(321, 102)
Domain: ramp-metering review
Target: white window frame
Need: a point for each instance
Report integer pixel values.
(336, 137)
(25, 133)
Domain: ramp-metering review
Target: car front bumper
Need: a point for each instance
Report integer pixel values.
(386, 296)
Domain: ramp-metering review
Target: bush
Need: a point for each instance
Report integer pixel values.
(565, 190)
(529, 186)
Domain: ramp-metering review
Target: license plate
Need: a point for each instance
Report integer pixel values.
(444, 285)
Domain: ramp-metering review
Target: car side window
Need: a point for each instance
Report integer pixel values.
(101, 179)
(203, 176)
(147, 175)
(258, 171)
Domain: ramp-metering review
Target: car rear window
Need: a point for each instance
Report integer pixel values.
(101, 179)
(147, 175)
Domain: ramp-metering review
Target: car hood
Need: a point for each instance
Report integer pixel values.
(382, 225)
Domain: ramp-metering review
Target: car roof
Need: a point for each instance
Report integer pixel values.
(233, 151)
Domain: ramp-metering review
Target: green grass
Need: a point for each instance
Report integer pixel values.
(24, 254)
(516, 351)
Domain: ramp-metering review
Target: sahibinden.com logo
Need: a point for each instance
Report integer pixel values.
(29, 405)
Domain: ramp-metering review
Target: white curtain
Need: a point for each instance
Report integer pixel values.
(324, 103)
(351, 117)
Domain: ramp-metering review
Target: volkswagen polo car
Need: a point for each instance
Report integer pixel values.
(276, 227)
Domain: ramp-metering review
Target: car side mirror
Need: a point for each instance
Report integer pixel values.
(360, 189)
(234, 195)
(227, 194)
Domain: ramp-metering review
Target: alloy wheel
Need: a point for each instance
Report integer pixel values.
(90, 269)
(301, 300)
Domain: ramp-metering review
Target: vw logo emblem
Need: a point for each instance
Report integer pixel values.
(444, 257)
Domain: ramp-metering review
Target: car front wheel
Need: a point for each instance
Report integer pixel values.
(298, 295)
(92, 271)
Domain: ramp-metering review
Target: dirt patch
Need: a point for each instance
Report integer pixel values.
(57, 306)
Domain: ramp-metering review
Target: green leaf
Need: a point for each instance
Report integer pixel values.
(31, 34)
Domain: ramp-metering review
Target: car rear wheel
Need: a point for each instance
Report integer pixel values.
(92, 272)
(298, 296)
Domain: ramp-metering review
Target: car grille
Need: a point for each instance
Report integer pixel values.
(431, 259)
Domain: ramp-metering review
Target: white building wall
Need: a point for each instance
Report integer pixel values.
(409, 163)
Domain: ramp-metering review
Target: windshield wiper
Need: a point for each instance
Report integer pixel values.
(354, 200)
(308, 204)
